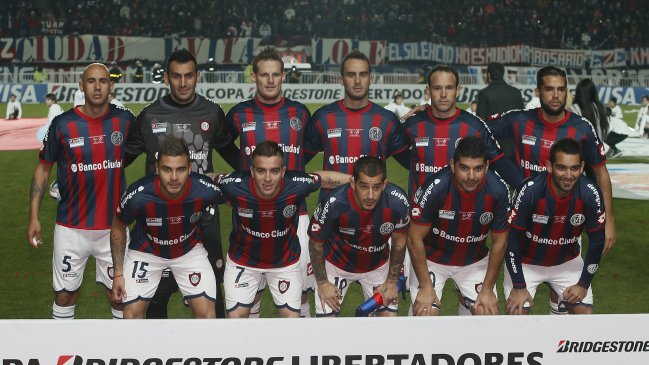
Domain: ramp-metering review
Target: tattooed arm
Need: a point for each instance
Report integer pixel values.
(36, 193)
(397, 253)
(117, 250)
(328, 293)
(333, 179)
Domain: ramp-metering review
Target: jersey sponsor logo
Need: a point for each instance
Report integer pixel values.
(209, 185)
(224, 179)
(486, 218)
(272, 124)
(267, 213)
(305, 179)
(529, 140)
(289, 211)
(418, 193)
(539, 218)
(337, 159)
(457, 239)
(592, 268)
(296, 123)
(316, 212)
(375, 134)
(195, 278)
(195, 217)
(315, 227)
(401, 197)
(76, 142)
(446, 214)
(247, 127)
(104, 165)
(347, 230)
(550, 241)
(205, 125)
(241, 285)
(421, 142)
(386, 228)
(334, 132)
(175, 220)
(128, 197)
(367, 229)
(429, 190)
(441, 142)
(353, 133)
(325, 209)
(173, 241)
(283, 286)
(598, 200)
(245, 212)
(512, 262)
(422, 167)
(97, 139)
(577, 219)
(181, 127)
(466, 216)
(511, 217)
(198, 155)
(158, 127)
(154, 222)
(117, 138)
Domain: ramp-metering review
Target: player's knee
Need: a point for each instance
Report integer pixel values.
(580, 309)
(66, 299)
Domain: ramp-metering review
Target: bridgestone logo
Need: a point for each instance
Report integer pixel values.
(603, 346)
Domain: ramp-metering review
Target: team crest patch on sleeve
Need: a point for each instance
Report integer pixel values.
(386, 228)
(283, 286)
(592, 268)
(296, 123)
(195, 278)
(375, 134)
(117, 138)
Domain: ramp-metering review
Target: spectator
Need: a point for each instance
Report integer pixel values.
(396, 105)
(618, 133)
(115, 72)
(615, 109)
(14, 110)
(139, 72)
(40, 76)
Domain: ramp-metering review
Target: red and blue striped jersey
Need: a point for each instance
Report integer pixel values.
(167, 228)
(460, 221)
(533, 136)
(433, 142)
(89, 154)
(345, 135)
(283, 122)
(356, 240)
(264, 232)
(553, 225)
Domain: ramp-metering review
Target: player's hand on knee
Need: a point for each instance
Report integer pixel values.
(516, 301)
(329, 295)
(574, 294)
(389, 292)
(486, 303)
(426, 303)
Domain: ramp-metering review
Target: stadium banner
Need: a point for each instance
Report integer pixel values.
(99, 48)
(476, 56)
(333, 50)
(558, 57)
(493, 340)
(607, 58)
(231, 93)
(638, 56)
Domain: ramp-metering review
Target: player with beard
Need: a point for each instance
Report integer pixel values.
(271, 117)
(87, 144)
(201, 124)
(354, 127)
(453, 212)
(349, 236)
(166, 209)
(550, 212)
(535, 131)
(263, 242)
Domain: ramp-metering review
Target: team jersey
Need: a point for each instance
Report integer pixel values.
(345, 135)
(166, 228)
(264, 232)
(283, 122)
(533, 136)
(201, 125)
(460, 221)
(553, 225)
(433, 142)
(356, 240)
(89, 154)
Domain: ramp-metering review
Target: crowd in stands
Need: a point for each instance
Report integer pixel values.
(544, 23)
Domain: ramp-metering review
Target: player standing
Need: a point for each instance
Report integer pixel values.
(271, 117)
(166, 209)
(550, 212)
(349, 232)
(201, 124)
(87, 144)
(453, 212)
(264, 240)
